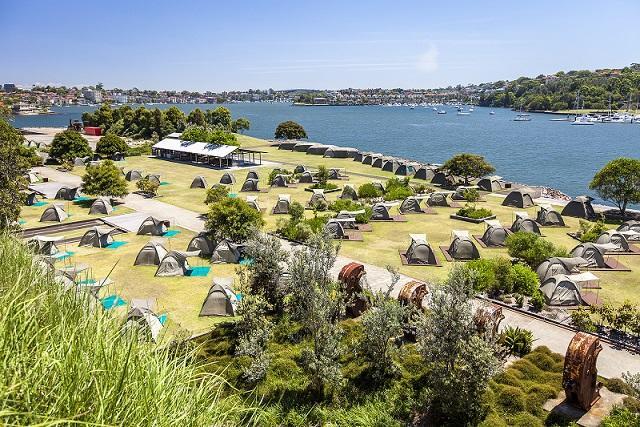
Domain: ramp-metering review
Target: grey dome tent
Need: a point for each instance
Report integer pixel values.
(548, 216)
(67, 193)
(303, 146)
(615, 237)
(31, 199)
(438, 198)
(79, 161)
(518, 199)
(389, 165)
(44, 245)
(349, 193)
(300, 169)
(250, 185)
(580, 207)
(101, 205)
(253, 202)
(155, 178)
(368, 158)
(378, 162)
(306, 178)
(287, 145)
(226, 252)
(404, 169)
(525, 224)
(317, 197)
(378, 186)
(227, 178)
(334, 229)
(220, 300)
(282, 205)
(151, 253)
(133, 175)
(144, 322)
(441, 178)
(411, 205)
(419, 251)
(631, 225)
(357, 156)
(492, 184)
(153, 226)
(560, 290)
(495, 234)
(117, 156)
(380, 211)
(349, 218)
(175, 263)
(462, 247)
(203, 243)
(53, 213)
(340, 152)
(592, 253)
(98, 237)
(461, 192)
(334, 173)
(318, 149)
(198, 182)
(424, 172)
(279, 181)
(558, 265)
(252, 175)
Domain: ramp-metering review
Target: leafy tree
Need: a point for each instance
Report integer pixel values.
(111, 144)
(368, 191)
(15, 161)
(176, 118)
(104, 179)
(265, 271)
(531, 248)
(216, 193)
(468, 166)
(619, 182)
(290, 130)
(462, 363)
(323, 175)
(205, 134)
(69, 144)
(197, 117)
(240, 124)
(581, 319)
(233, 219)
(147, 186)
(219, 118)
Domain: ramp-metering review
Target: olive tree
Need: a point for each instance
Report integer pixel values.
(619, 182)
(290, 130)
(104, 179)
(69, 144)
(468, 166)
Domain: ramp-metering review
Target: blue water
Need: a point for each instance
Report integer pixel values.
(540, 152)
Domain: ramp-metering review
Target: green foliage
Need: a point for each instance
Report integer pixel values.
(210, 135)
(368, 191)
(139, 150)
(216, 193)
(69, 144)
(471, 195)
(219, 118)
(267, 268)
(104, 179)
(537, 300)
(290, 130)
(349, 205)
(581, 319)
(397, 189)
(590, 231)
(468, 166)
(531, 248)
(621, 417)
(618, 385)
(147, 186)
(233, 219)
(111, 144)
(523, 279)
(511, 399)
(322, 175)
(296, 211)
(326, 186)
(471, 211)
(277, 171)
(197, 117)
(497, 275)
(240, 124)
(516, 341)
(15, 162)
(140, 123)
(619, 182)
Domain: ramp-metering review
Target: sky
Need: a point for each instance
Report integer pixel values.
(328, 44)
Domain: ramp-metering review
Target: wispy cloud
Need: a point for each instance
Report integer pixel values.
(428, 61)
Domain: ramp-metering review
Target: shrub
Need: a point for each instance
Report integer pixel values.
(233, 219)
(69, 144)
(468, 166)
(581, 319)
(368, 191)
(537, 300)
(296, 211)
(290, 130)
(621, 417)
(104, 179)
(618, 385)
(523, 279)
(139, 150)
(531, 248)
(525, 419)
(471, 195)
(216, 193)
(485, 274)
(516, 341)
(111, 144)
(422, 188)
(326, 186)
(511, 399)
(147, 186)
(277, 171)
(471, 211)
(398, 193)
(590, 231)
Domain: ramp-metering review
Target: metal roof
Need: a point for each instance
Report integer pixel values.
(201, 148)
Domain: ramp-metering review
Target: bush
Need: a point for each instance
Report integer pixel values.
(531, 248)
(326, 186)
(516, 341)
(590, 231)
(523, 279)
(275, 172)
(621, 417)
(537, 300)
(206, 134)
(486, 278)
(69, 144)
(139, 150)
(111, 144)
(233, 219)
(296, 211)
(581, 319)
(368, 191)
(216, 193)
(104, 179)
(525, 419)
(470, 211)
(398, 193)
(511, 399)
(471, 195)
(147, 186)
(618, 385)
(498, 275)
(290, 130)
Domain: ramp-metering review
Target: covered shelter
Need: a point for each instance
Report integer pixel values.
(462, 247)
(442, 179)
(318, 149)
(424, 172)
(378, 162)
(592, 253)
(495, 234)
(492, 184)
(560, 265)
(202, 242)
(144, 322)
(53, 213)
(411, 205)
(249, 185)
(44, 245)
(153, 226)
(151, 253)
(335, 229)
(67, 193)
(349, 193)
(175, 263)
(154, 178)
(306, 178)
(207, 153)
(549, 217)
(521, 198)
(253, 202)
(221, 300)
(199, 181)
(101, 205)
(561, 290)
(227, 178)
(419, 251)
(226, 252)
(133, 175)
(580, 207)
(616, 238)
(525, 224)
(340, 152)
(98, 237)
(282, 205)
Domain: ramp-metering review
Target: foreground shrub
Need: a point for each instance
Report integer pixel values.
(590, 231)
(233, 219)
(531, 248)
(216, 194)
(516, 341)
(368, 191)
(471, 211)
(511, 399)
(147, 186)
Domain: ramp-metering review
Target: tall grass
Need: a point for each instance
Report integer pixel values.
(65, 363)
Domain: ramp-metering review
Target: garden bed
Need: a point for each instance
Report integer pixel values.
(473, 220)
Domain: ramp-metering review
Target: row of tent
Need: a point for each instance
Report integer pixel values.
(420, 251)
(330, 151)
(57, 213)
(579, 207)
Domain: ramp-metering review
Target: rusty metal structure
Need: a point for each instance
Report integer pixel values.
(412, 293)
(580, 375)
(351, 277)
(487, 320)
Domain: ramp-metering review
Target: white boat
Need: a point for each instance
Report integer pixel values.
(582, 121)
(491, 113)
(463, 113)
(471, 109)
(442, 112)
(522, 117)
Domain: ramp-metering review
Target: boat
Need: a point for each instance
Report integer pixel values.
(471, 109)
(491, 113)
(582, 121)
(563, 119)
(522, 117)
(463, 113)
(442, 112)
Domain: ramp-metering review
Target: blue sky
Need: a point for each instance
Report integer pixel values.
(215, 45)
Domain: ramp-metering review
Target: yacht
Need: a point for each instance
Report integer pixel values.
(583, 120)
(442, 111)
(491, 113)
(522, 117)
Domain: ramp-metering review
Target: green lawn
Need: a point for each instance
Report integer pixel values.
(78, 211)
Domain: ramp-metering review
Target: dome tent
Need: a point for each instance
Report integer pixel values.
(405, 169)
(460, 192)
(144, 322)
(153, 226)
(306, 178)
(438, 198)
(67, 193)
(44, 245)
(462, 247)
(580, 207)
(250, 185)
(492, 184)
(424, 172)
(631, 225)
(340, 152)
(175, 263)
(525, 224)
(547, 216)
(334, 173)
(317, 197)
(282, 205)
(349, 193)
(521, 198)
(411, 205)
(377, 162)
(334, 229)
(348, 218)
(31, 198)
(279, 181)
(380, 212)
(253, 175)
(558, 265)
(155, 178)
(227, 178)
(203, 243)
(220, 300)
(54, 213)
(198, 182)
(226, 252)
(253, 202)
(495, 234)
(101, 205)
(98, 237)
(592, 253)
(303, 146)
(133, 175)
(288, 144)
(419, 251)
(561, 290)
(300, 169)
(368, 158)
(390, 165)
(614, 237)
(442, 179)
(318, 149)
(151, 253)
(357, 156)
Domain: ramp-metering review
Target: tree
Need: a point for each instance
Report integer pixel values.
(69, 144)
(205, 134)
(197, 117)
(233, 219)
(290, 130)
(215, 194)
(147, 186)
(240, 124)
(531, 248)
(111, 144)
(461, 362)
(468, 166)
(266, 270)
(104, 179)
(15, 161)
(220, 118)
(619, 182)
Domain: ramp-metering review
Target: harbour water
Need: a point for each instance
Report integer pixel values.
(538, 152)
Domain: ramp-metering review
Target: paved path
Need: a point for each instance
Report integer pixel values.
(611, 362)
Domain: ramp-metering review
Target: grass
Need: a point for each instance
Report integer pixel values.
(78, 211)
(66, 364)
